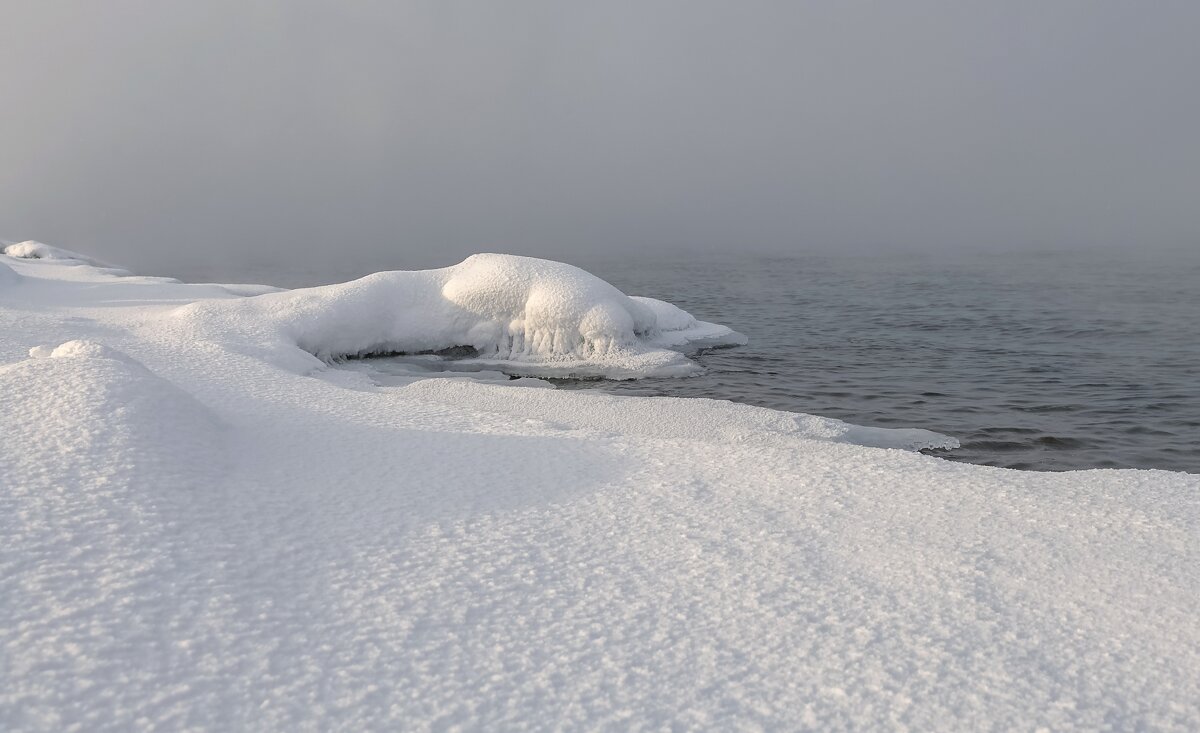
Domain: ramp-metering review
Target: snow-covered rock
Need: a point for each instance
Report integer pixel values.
(33, 250)
(523, 314)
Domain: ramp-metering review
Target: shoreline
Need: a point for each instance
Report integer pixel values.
(211, 530)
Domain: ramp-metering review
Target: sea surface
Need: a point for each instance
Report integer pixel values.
(1046, 362)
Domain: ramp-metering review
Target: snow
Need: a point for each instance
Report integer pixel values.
(34, 250)
(526, 315)
(207, 527)
(8, 276)
(716, 421)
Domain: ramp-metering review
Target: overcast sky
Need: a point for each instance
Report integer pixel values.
(400, 134)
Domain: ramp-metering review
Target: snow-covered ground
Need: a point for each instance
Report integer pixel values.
(205, 525)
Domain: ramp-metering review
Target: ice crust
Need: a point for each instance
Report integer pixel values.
(206, 528)
(522, 314)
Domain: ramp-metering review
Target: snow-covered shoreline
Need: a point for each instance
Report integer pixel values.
(206, 527)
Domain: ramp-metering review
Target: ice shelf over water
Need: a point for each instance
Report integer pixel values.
(207, 527)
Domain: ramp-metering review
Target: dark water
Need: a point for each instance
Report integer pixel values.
(1040, 362)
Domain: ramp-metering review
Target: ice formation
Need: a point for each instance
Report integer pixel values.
(205, 529)
(522, 314)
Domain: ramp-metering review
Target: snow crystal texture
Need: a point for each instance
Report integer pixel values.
(205, 528)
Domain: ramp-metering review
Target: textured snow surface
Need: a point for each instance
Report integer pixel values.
(204, 530)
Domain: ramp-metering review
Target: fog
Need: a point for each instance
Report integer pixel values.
(388, 134)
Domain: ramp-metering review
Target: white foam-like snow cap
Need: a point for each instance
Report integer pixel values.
(34, 250)
(524, 314)
(31, 250)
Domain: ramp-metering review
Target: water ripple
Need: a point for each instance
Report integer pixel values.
(1039, 362)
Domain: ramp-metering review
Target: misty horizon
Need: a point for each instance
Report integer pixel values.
(386, 136)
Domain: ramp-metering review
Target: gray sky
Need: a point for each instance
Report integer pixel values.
(398, 134)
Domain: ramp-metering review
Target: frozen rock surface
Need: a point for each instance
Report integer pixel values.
(205, 528)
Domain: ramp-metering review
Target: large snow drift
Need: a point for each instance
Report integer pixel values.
(203, 528)
(523, 314)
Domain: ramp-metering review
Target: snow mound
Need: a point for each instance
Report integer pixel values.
(34, 250)
(81, 349)
(521, 314)
(669, 317)
(677, 327)
(113, 418)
